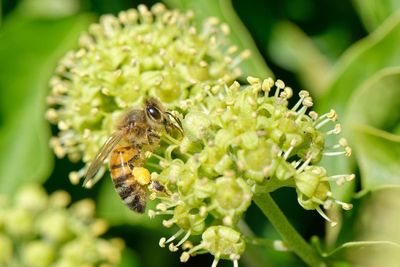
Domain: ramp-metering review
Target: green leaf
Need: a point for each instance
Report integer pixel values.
(375, 229)
(377, 51)
(370, 55)
(356, 251)
(293, 50)
(373, 114)
(49, 8)
(374, 12)
(223, 9)
(29, 50)
(373, 245)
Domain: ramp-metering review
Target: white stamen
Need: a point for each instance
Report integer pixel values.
(318, 209)
(177, 234)
(215, 262)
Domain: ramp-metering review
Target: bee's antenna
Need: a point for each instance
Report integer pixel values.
(178, 124)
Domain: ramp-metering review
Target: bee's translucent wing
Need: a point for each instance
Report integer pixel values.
(96, 164)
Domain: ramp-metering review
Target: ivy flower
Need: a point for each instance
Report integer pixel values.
(240, 140)
(40, 230)
(124, 59)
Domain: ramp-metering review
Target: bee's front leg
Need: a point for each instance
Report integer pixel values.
(153, 137)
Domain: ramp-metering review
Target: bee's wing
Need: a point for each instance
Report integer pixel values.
(94, 167)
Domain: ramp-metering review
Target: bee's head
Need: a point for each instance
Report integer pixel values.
(157, 117)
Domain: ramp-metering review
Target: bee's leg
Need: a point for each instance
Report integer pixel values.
(135, 161)
(153, 137)
(157, 186)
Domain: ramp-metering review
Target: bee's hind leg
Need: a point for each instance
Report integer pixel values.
(156, 186)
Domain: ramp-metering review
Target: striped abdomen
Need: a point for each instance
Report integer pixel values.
(122, 161)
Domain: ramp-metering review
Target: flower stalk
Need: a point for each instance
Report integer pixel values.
(293, 240)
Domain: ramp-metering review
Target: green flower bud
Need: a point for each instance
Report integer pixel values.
(209, 159)
(224, 164)
(223, 242)
(65, 263)
(19, 222)
(307, 182)
(312, 187)
(59, 199)
(32, 197)
(203, 188)
(55, 225)
(42, 231)
(196, 125)
(172, 173)
(232, 197)
(6, 249)
(189, 218)
(38, 254)
(258, 163)
(249, 140)
(284, 170)
(72, 251)
(224, 138)
(189, 146)
(84, 208)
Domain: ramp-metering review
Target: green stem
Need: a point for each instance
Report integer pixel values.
(293, 240)
(253, 255)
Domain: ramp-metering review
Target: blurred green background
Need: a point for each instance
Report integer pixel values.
(344, 52)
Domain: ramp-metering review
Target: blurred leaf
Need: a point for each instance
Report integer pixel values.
(379, 239)
(353, 250)
(293, 50)
(49, 8)
(364, 245)
(223, 9)
(29, 49)
(373, 112)
(377, 51)
(111, 207)
(129, 259)
(382, 203)
(374, 12)
(360, 62)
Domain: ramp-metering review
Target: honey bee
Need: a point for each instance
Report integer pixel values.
(138, 131)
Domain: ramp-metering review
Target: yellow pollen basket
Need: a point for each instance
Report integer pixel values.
(142, 175)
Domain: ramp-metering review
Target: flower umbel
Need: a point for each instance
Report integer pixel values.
(124, 59)
(41, 230)
(242, 140)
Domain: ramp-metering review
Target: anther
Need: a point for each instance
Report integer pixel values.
(162, 242)
(172, 247)
(267, 85)
(151, 214)
(184, 257)
(336, 130)
(253, 80)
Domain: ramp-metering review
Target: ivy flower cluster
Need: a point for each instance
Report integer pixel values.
(121, 60)
(238, 140)
(40, 230)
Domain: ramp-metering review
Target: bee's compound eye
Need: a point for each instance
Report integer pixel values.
(154, 113)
